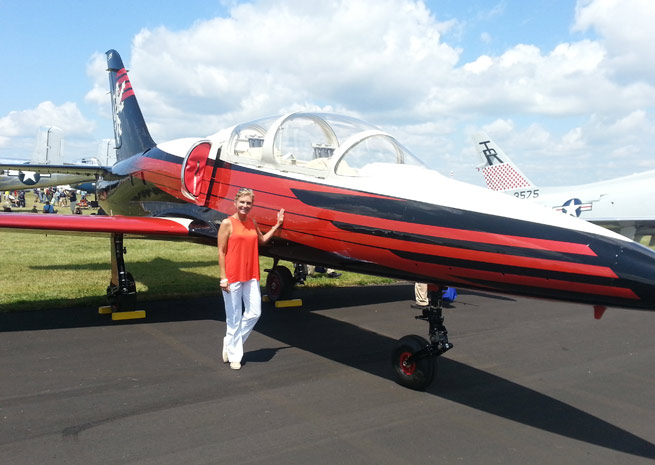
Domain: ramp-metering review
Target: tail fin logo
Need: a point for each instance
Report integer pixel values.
(490, 153)
(500, 174)
(122, 91)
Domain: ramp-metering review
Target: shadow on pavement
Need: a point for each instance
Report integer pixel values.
(368, 351)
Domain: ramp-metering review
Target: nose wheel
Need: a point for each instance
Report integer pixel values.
(413, 357)
(410, 371)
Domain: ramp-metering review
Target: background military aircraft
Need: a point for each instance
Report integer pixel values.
(47, 155)
(621, 204)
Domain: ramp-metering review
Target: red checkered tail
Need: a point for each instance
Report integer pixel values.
(500, 173)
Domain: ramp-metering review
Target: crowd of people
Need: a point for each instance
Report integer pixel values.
(49, 197)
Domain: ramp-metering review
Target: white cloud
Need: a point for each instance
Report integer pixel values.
(389, 62)
(379, 57)
(626, 31)
(96, 69)
(384, 61)
(22, 123)
(499, 127)
(18, 130)
(480, 65)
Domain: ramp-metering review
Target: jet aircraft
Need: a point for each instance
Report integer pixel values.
(619, 204)
(355, 199)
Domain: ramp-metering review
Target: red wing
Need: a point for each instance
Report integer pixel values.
(147, 226)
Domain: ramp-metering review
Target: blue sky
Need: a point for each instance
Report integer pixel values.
(47, 44)
(548, 79)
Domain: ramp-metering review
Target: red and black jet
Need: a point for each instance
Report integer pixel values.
(355, 199)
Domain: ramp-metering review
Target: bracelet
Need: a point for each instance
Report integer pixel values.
(224, 280)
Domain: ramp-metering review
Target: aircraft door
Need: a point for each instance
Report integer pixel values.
(197, 173)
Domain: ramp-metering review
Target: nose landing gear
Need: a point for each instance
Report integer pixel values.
(412, 357)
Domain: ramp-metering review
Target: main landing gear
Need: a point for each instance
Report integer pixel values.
(279, 282)
(412, 357)
(121, 292)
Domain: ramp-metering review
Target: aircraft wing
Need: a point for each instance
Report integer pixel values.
(133, 225)
(77, 169)
(630, 227)
(27, 175)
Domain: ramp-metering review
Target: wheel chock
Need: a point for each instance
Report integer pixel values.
(288, 303)
(104, 310)
(133, 315)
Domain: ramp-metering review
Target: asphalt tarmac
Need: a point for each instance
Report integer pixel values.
(528, 381)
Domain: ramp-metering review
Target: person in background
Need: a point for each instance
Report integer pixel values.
(47, 208)
(73, 201)
(421, 296)
(448, 295)
(329, 272)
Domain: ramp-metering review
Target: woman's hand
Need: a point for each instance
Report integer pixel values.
(280, 217)
(225, 285)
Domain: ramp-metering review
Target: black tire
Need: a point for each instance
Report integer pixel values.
(279, 283)
(419, 374)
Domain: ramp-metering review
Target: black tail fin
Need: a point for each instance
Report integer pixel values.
(130, 130)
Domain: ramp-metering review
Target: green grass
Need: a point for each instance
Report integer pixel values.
(50, 271)
(58, 270)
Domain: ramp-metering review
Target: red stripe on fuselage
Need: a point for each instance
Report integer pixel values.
(453, 274)
(468, 235)
(479, 256)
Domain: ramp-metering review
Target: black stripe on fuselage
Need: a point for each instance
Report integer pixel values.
(467, 245)
(422, 213)
(505, 269)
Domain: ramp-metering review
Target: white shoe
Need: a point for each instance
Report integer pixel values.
(235, 365)
(225, 359)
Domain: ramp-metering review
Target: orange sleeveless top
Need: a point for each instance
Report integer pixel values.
(242, 256)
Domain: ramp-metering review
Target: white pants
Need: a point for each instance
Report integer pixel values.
(239, 325)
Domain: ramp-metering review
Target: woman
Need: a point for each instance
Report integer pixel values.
(238, 259)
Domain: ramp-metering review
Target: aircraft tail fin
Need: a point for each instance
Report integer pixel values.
(49, 143)
(500, 173)
(130, 131)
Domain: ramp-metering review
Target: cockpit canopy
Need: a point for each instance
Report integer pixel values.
(319, 144)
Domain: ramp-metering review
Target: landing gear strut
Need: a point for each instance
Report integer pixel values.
(121, 291)
(412, 358)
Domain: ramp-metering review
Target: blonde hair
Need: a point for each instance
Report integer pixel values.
(244, 191)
